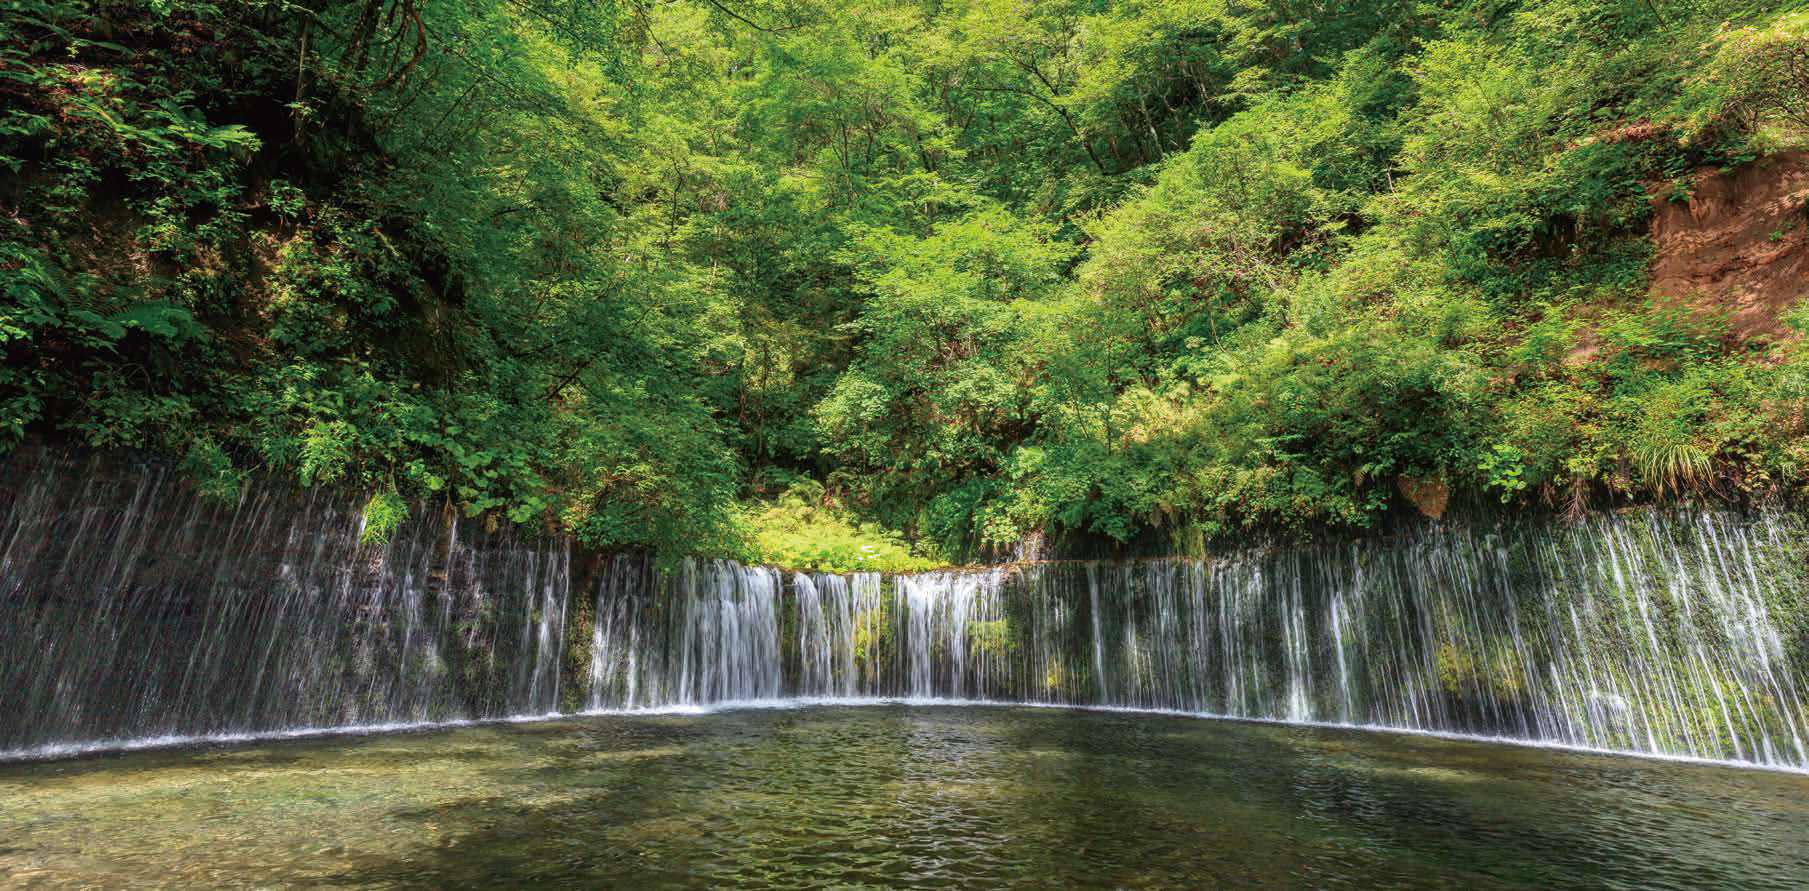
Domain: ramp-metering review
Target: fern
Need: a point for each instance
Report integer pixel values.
(383, 515)
(324, 452)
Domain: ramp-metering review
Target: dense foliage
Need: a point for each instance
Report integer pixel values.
(769, 278)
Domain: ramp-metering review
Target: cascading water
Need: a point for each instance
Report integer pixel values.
(704, 633)
(129, 608)
(1678, 634)
(1667, 633)
(952, 633)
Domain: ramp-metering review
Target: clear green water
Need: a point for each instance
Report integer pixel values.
(896, 796)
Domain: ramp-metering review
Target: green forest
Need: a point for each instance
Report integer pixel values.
(895, 284)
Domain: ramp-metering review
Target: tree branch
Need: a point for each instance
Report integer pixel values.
(751, 23)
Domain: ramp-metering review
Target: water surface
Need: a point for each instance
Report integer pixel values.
(896, 796)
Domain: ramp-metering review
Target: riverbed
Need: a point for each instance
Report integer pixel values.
(896, 796)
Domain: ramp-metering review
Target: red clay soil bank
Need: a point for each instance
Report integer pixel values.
(1741, 242)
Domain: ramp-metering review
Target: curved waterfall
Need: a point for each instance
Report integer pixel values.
(131, 609)
(1664, 633)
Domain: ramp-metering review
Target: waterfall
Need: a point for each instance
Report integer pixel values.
(130, 608)
(699, 633)
(837, 634)
(1673, 633)
(1668, 633)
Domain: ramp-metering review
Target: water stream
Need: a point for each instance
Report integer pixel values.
(130, 609)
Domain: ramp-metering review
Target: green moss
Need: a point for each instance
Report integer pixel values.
(990, 638)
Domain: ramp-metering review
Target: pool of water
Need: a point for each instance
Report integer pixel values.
(896, 796)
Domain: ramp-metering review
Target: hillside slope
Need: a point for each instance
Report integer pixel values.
(858, 284)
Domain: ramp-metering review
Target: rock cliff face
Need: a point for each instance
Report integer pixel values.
(131, 607)
(1740, 242)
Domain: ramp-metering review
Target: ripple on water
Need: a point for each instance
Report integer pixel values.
(897, 796)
